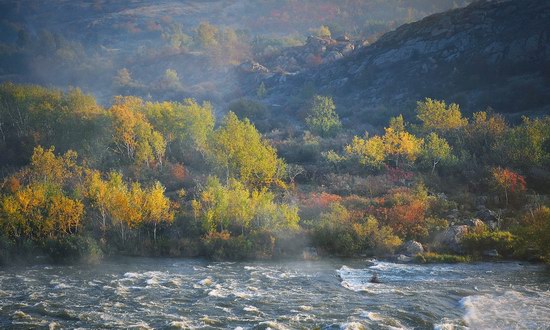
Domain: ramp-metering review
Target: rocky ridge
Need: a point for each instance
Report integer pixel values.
(491, 53)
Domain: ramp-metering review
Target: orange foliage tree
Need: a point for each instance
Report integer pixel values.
(508, 181)
(404, 210)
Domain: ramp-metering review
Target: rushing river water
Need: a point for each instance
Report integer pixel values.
(333, 294)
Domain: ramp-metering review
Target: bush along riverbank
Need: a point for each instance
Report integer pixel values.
(477, 243)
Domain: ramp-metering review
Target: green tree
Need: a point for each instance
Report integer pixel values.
(528, 144)
(240, 150)
(322, 118)
(186, 127)
(486, 136)
(170, 80)
(123, 78)
(175, 37)
(33, 115)
(535, 231)
(436, 150)
(239, 210)
(245, 108)
(262, 91)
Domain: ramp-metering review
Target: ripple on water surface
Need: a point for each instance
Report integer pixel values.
(194, 294)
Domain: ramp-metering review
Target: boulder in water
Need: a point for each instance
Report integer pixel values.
(491, 253)
(403, 258)
(370, 262)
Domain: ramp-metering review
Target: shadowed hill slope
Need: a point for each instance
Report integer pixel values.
(491, 53)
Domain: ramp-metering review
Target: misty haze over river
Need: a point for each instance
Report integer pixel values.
(332, 294)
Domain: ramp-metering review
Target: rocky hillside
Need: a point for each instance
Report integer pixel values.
(127, 47)
(491, 53)
(315, 51)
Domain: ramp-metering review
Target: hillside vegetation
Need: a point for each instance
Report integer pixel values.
(167, 178)
(174, 49)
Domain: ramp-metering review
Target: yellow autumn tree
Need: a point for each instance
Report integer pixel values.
(38, 206)
(157, 208)
(133, 136)
(439, 117)
(124, 205)
(49, 168)
(396, 145)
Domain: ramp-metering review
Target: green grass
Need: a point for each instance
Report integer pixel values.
(431, 257)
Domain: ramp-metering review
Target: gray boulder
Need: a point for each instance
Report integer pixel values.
(474, 223)
(490, 218)
(403, 258)
(491, 253)
(251, 66)
(412, 248)
(450, 239)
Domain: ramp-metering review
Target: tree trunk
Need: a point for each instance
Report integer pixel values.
(433, 167)
(506, 195)
(104, 224)
(122, 232)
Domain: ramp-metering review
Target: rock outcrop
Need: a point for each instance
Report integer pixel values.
(450, 239)
(412, 248)
(489, 218)
(315, 51)
(491, 53)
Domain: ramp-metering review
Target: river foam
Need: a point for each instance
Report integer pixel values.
(161, 293)
(507, 310)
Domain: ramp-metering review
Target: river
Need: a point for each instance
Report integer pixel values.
(328, 294)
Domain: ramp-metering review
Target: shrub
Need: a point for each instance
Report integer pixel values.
(222, 246)
(322, 118)
(534, 234)
(263, 243)
(16, 251)
(340, 233)
(502, 241)
(73, 249)
(404, 210)
(246, 108)
(6, 249)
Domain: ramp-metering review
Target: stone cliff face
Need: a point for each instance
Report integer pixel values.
(491, 53)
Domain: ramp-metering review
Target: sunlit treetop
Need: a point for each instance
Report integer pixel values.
(437, 116)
